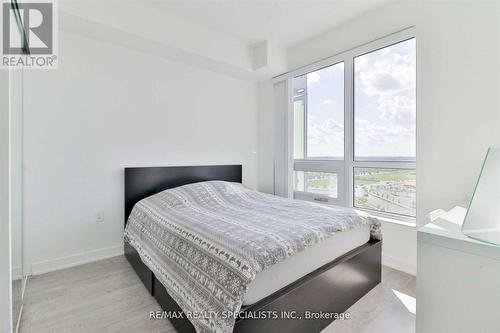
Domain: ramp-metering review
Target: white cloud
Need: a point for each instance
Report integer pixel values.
(393, 74)
(399, 109)
(375, 140)
(325, 138)
(389, 78)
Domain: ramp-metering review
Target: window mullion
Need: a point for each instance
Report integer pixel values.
(306, 109)
(348, 130)
(385, 164)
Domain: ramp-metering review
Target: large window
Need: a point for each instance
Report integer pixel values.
(354, 128)
(384, 104)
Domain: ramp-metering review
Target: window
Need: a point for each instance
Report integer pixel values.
(319, 114)
(324, 183)
(385, 190)
(318, 134)
(384, 104)
(354, 128)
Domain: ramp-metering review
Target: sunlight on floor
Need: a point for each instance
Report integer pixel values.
(408, 301)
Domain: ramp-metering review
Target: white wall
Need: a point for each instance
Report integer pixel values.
(108, 107)
(458, 100)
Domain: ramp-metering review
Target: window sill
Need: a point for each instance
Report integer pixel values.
(403, 221)
(407, 222)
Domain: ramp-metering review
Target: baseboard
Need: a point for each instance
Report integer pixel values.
(399, 264)
(75, 259)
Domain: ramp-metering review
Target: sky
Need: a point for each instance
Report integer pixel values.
(325, 112)
(384, 105)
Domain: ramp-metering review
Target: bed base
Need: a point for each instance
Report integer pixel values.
(142, 271)
(332, 288)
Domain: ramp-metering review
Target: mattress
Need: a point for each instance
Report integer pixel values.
(300, 264)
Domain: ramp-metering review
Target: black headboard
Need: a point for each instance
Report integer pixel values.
(143, 182)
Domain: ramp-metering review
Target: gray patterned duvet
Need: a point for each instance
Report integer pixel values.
(205, 242)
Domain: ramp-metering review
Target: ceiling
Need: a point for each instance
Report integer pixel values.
(243, 38)
(284, 22)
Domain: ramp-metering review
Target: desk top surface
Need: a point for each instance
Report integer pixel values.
(446, 231)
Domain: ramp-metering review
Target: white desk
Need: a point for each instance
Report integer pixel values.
(458, 278)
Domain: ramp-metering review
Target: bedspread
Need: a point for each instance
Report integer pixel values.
(205, 242)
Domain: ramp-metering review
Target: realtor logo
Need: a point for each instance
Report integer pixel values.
(29, 37)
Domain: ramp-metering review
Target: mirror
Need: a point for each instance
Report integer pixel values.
(17, 275)
(482, 221)
(16, 180)
(16, 195)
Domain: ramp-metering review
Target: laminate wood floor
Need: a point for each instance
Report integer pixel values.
(107, 296)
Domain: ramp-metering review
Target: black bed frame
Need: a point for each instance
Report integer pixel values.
(332, 288)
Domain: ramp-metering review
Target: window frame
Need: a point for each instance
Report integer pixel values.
(345, 168)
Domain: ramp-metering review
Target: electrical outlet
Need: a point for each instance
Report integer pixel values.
(99, 217)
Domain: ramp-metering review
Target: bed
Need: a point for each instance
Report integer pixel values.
(325, 271)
